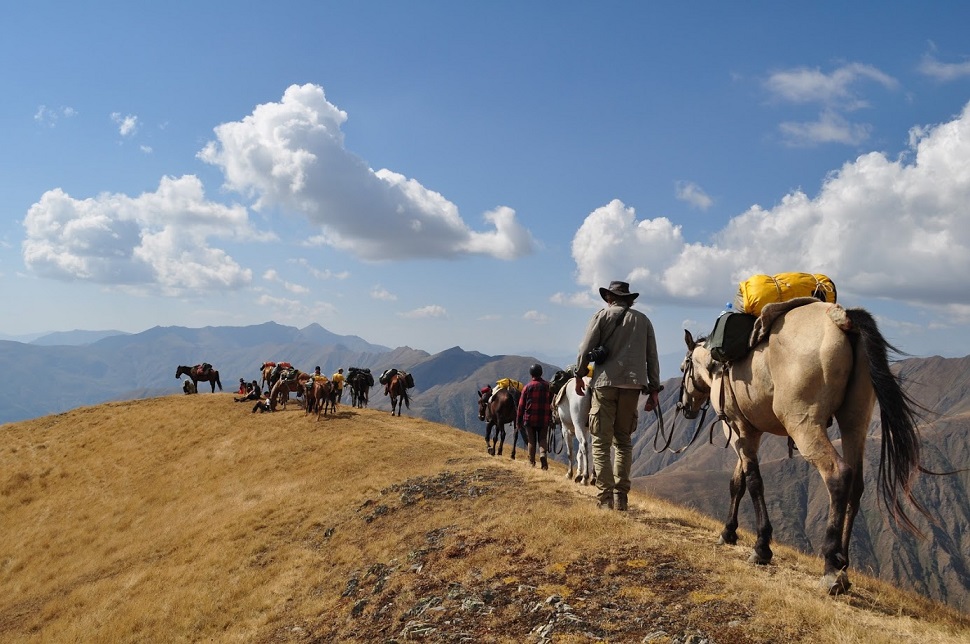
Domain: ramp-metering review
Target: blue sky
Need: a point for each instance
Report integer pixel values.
(434, 174)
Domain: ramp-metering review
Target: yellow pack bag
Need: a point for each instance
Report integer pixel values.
(758, 290)
(508, 383)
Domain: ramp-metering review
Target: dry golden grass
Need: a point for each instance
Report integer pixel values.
(188, 518)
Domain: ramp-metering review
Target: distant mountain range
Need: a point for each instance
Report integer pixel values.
(61, 371)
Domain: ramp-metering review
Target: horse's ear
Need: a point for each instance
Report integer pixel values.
(689, 339)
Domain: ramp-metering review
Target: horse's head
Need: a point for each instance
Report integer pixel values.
(697, 372)
(484, 394)
(182, 369)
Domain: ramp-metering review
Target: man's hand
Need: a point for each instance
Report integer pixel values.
(653, 399)
(580, 386)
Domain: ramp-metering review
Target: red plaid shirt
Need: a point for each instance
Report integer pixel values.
(535, 405)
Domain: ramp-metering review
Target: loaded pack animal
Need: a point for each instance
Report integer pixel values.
(266, 371)
(497, 409)
(359, 381)
(293, 380)
(200, 373)
(571, 412)
(398, 392)
(817, 361)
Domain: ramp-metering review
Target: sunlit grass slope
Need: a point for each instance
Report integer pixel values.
(188, 518)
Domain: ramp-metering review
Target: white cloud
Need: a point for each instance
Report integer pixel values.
(381, 293)
(272, 275)
(158, 240)
(127, 125)
(290, 156)
(829, 128)
(878, 227)
(693, 194)
(536, 316)
(431, 311)
(50, 117)
(325, 274)
(582, 299)
(291, 311)
(944, 71)
(804, 85)
(147, 149)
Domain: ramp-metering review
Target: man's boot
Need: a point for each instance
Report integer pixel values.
(620, 501)
(544, 462)
(604, 501)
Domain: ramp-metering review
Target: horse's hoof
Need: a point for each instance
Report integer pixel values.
(512, 457)
(491, 451)
(727, 541)
(835, 583)
(760, 560)
(578, 479)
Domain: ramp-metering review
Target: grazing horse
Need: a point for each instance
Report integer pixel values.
(820, 361)
(360, 382)
(497, 410)
(571, 412)
(398, 392)
(319, 396)
(280, 393)
(198, 374)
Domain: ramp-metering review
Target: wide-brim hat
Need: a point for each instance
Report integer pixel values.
(618, 289)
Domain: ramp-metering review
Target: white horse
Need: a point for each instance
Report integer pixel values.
(571, 413)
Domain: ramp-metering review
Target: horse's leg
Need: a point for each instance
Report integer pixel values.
(843, 483)
(582, 458)
(489, 441)
(729, 535)
(567, 439)
(747, 446)
(500, 436)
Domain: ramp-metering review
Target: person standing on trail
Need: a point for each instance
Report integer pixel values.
(534, 413)
(621, 343)
(338, 383)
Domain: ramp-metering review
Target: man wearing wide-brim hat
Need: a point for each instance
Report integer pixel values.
(630, 366)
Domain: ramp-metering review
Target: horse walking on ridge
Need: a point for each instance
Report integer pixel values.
(819, 361)
(498, 410)
(359, 382)
(199, 374)
(398, 393)
(571, 412)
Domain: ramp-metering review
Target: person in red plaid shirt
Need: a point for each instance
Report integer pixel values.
(535, 414)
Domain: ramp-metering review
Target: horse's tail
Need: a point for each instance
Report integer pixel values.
(404, 394)
(218, 382)
(899, 457)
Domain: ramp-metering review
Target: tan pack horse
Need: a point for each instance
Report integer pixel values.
(819, 362)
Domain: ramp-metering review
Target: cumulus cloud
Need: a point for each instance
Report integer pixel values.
(430, 311)
(157, 240)
(830, 127)
(879, 227)
(535, 316)
(693, 194)
(288, 310)
(127, 125)
(290, 156)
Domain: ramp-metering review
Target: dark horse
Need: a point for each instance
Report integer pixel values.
(398, 393)
(198, 374)
(497, 410)
(360, 382)
(818, 361)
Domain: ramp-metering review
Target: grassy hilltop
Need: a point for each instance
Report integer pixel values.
(188, 518)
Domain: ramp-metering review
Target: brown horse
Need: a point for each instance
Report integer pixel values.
(398, 392)
(498, 410)
(819, 362)
(199, 374)
(319, 396)
(266, 369)
(280, 393)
